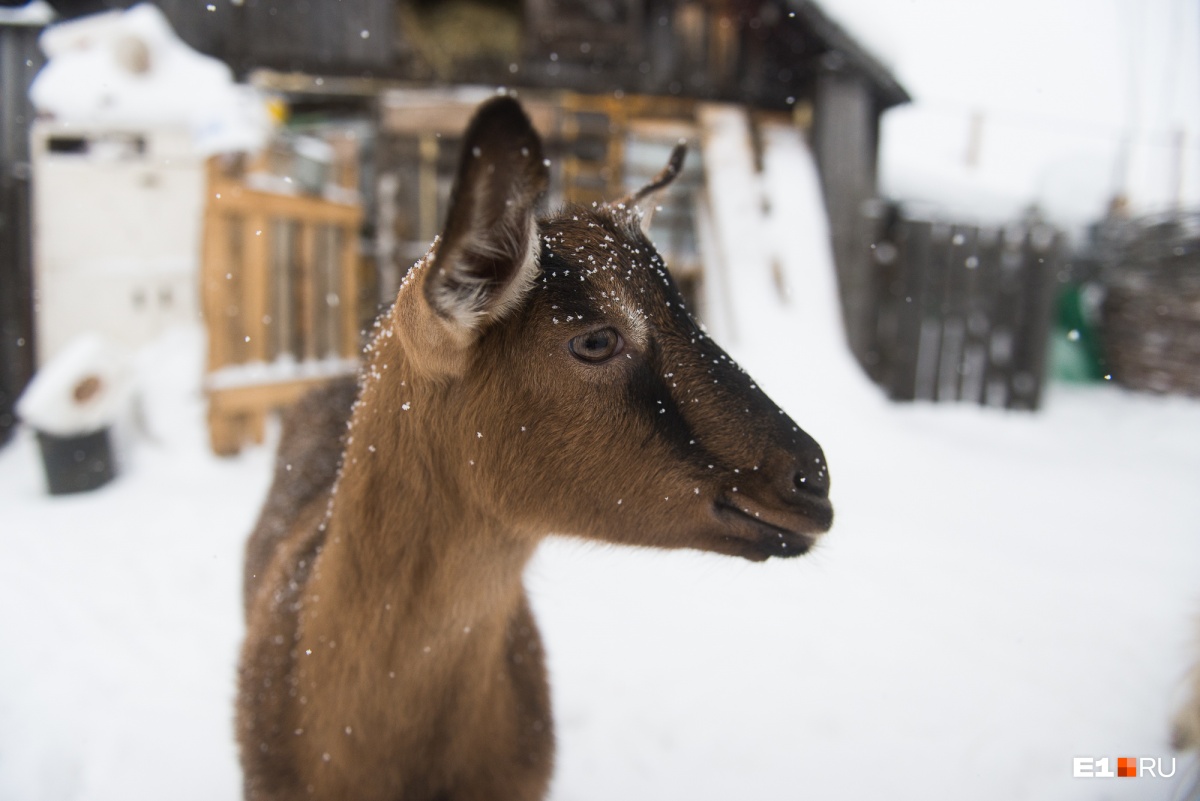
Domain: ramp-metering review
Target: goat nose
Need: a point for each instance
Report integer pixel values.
(810, 473)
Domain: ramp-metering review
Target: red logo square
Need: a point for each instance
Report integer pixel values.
(1127, 766)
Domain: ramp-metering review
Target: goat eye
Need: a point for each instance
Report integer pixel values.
(597, 346)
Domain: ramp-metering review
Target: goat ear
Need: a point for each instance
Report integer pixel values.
(642, 203)
(487, 256)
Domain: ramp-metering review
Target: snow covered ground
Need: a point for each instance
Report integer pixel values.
(1000, 593)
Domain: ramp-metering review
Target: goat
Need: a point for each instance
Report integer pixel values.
(534, 375)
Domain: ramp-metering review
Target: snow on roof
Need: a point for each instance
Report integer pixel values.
(861, 44)
(129, 69)
(37, 13)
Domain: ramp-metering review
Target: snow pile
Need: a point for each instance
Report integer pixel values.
(84, 388)
(771, 277)
(128, 69)
(169, 393)
(736, 244)
(126, 607)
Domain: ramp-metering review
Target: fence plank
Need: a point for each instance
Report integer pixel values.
(985, 280)
(954, 312)
(348, 291)
(307, 327)
(912, 249)
(1040, 248)
(932, 308)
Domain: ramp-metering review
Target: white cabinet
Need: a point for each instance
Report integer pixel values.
(117, 223)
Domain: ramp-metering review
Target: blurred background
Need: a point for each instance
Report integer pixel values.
(959, 243)
(1074, 123)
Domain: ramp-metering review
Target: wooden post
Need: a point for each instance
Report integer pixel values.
(1178, 148)
(215, 300)
(347, 259)
(974, 140)
(255, 266)
(427, 187)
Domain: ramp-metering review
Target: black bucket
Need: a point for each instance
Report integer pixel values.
(77, 464)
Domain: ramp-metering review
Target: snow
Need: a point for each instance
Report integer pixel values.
(285, 368)
(37, 12)
(1076, 100)
(1001, 592)
(122, 610)
(125, 69)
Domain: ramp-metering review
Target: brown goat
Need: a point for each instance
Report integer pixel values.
(533, 376)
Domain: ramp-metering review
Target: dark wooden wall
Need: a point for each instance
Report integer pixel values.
(316, 36)
(754, 53)
(749, 53)
(845, 121)
(20, 59)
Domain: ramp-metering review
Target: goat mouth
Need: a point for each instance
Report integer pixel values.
(758, 532)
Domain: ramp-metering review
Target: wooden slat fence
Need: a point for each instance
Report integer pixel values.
(963, 311)
(280, 297)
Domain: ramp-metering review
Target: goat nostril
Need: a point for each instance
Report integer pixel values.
(814, 480)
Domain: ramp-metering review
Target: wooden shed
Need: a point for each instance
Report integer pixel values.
(771, 55)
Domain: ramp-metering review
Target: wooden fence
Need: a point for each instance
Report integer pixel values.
(280, 295)
(963, 312)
